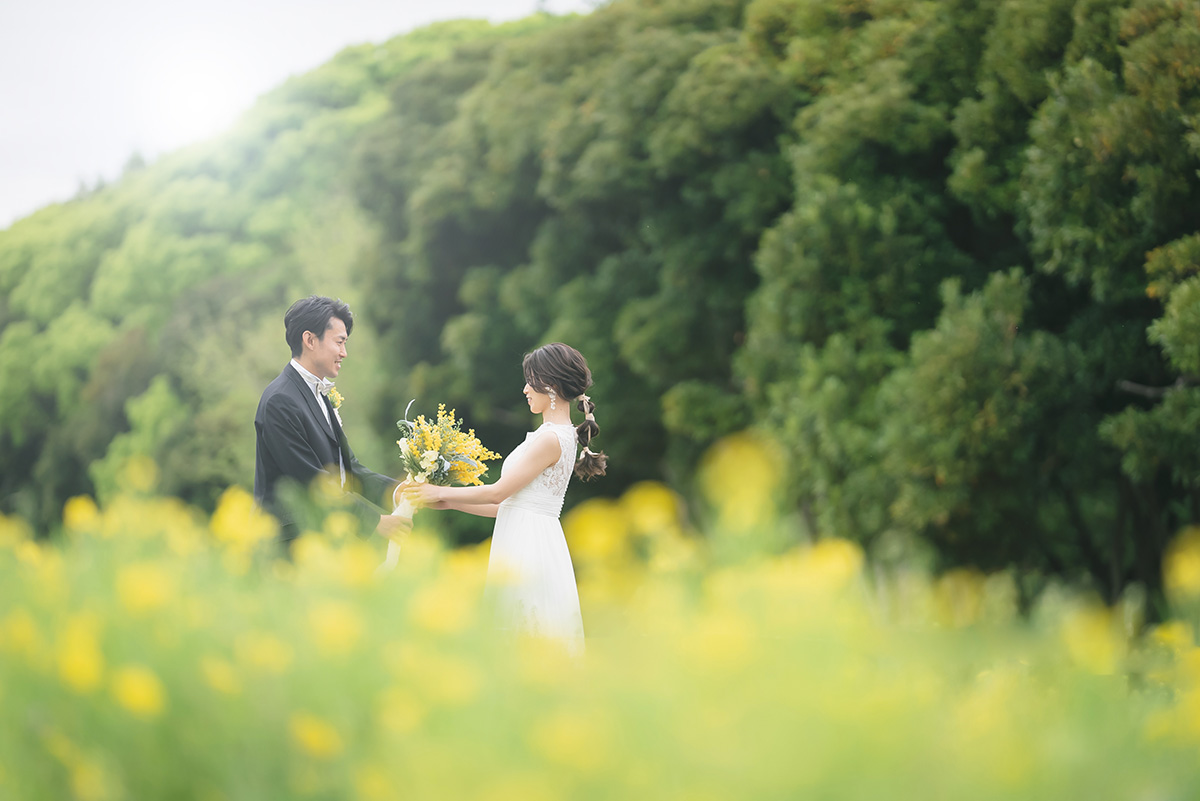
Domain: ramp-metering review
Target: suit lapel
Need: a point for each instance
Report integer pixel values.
(338, 435)
(311, 400)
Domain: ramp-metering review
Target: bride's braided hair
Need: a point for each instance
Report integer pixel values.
(563, 369)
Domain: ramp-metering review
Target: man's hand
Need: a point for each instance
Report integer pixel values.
(393, 527)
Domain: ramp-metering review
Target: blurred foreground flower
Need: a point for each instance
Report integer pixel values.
(139, 691)
(139, 475)
(144, 662)
(13, 531)
(81, 514)
(144, 586)
(238, 522)
(740, 475)
(80, 662)
(1092, 639)
(315, 737)
(1181, 565)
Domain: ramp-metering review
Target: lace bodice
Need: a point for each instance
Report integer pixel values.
(546, 492)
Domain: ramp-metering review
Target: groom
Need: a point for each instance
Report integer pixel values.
(298, 433)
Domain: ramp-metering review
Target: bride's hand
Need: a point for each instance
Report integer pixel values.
(426, 495)
(399, 491)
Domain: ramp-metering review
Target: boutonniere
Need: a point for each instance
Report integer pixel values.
(335, 400)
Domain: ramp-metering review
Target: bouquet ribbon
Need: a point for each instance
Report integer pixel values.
(406, 510)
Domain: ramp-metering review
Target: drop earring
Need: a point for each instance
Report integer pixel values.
(552, 397)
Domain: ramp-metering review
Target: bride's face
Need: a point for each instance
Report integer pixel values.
(538, 402)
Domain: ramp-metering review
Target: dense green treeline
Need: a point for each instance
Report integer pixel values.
(945, 253)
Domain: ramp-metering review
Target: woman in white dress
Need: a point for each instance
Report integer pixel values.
(531, 582)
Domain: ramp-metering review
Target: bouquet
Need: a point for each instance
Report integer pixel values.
(436, 452)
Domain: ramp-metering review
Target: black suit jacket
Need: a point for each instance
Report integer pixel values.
(294, 442)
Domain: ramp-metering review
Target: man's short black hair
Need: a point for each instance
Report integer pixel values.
(313, 313)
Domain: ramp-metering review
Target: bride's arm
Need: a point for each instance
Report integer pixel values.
(477, 509)
(542, 452)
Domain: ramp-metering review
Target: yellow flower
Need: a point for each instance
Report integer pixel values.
(139, 691)
(356, 564)
(19, 634)
(81, 514)
(1091, 639)
(264, 652)
(335, 627)
(80, 662)
(651, 508)
(139, 474)
(739, 475)
(542, 662)
(1175, 635)
(438, 678)
(443, 606)
(721, 640)
(143, 586)
(525, 785)
(400, 711)
(91, 781)
(315, 736)
(14, 531)
(340, 525)
(958, 597)
(312, 552)
(372, 783)
(597, 530)
(578, 739)
(238, 522)
(220, 675)
(335, 398)
(1181, 565)
(833, 563)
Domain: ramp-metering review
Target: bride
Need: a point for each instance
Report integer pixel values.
(530, 580)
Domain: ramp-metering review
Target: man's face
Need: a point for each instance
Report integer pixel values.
(328, 351)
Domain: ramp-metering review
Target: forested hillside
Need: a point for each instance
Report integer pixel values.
(944, 253)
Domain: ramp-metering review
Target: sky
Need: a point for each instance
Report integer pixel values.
(84, 85)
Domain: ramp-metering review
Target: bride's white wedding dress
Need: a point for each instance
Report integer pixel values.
(530, 581)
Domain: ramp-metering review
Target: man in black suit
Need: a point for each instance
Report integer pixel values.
(298, 433)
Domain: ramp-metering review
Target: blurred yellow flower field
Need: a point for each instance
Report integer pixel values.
(153, 654)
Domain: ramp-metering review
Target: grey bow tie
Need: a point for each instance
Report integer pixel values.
(324, 385)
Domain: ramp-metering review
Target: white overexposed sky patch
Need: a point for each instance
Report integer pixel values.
(84, 85)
